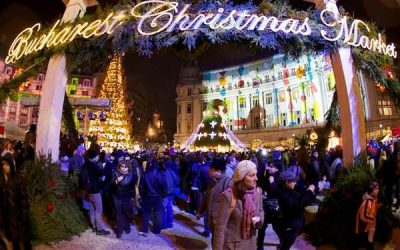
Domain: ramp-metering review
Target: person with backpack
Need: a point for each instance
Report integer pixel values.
(240, 211)
(366, 216)
(90, 183)
(219, 183)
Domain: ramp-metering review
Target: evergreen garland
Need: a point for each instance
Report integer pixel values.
(91, 55)
(55, 213)
(335, 222)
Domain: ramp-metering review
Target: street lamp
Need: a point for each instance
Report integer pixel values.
(380, 128)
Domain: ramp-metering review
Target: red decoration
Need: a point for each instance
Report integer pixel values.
(51, 183)
(225, 110)
(388, 72)
(241, 83)
(50, 207)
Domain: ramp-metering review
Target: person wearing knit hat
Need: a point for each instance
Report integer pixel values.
(244, 203)
(292, 206)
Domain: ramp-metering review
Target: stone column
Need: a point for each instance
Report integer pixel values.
(350, 101)
(51, 101)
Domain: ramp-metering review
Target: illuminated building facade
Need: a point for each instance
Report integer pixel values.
(273, 99)
(24, 114)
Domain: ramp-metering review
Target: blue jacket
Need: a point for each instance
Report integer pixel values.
(204, 177)
(172, 181)
(153, 184)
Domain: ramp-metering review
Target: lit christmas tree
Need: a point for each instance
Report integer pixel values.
(112, 129)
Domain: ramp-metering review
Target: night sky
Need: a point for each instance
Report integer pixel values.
(157, 77)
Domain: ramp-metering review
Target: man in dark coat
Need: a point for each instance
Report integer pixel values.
(219, 182)
(14, 206)
(292, 206)
(153, 188)
(90, 182)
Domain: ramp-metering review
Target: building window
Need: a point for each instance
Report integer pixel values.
(385, 107)
(179, 127)
(189, 127)
(269, 120)
(242, 102)
(179, 109)
(189, 91)
(12, 109)
(256, 101)
(40, 78)
(74, 81)
(189, 108)
(85, 93)
(282, 96)
(293, 72)
(311, 112)
(267, 78)
(280, 75)
(86, 83)
(9, 71)
(298, 117)
(38, 87)
(283, 119)
(268, 98)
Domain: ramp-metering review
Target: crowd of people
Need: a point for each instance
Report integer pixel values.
(237, 194)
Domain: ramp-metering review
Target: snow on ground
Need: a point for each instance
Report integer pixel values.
(184, 235)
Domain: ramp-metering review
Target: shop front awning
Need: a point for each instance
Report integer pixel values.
(91, 103)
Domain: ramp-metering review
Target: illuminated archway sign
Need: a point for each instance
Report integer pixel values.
(162, 16)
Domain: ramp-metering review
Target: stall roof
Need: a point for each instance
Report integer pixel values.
(92, 103)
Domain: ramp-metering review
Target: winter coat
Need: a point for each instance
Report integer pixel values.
(194, 174)
(126, 187)
(77, 162)
(228, 225)
(153, 184)
(213, 193)
(292, 206)
(172, 181)
(314, 172)
(204, 177)
(366, 215)
(90, 177)
(14, 208)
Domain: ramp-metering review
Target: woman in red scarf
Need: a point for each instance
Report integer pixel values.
(240, 211)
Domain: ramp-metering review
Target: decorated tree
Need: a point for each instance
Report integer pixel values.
(112, 130)
(211, 132)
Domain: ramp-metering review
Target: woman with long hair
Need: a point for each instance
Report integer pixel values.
(240, 211)
(14, 208)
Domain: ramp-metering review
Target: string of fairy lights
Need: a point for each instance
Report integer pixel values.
(114, 131)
